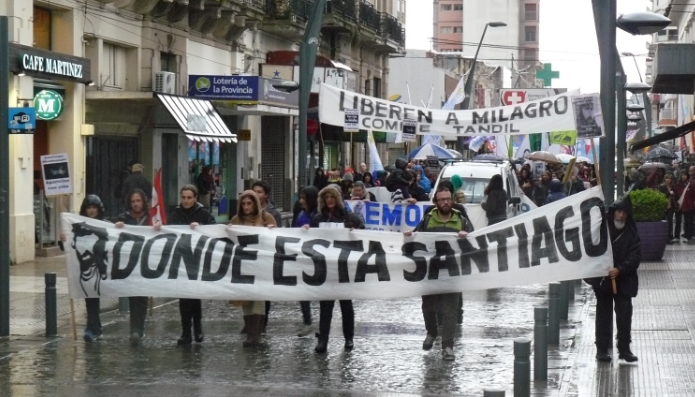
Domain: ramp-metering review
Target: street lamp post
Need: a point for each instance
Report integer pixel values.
(468, 88)
(645, 97)
(642, 23)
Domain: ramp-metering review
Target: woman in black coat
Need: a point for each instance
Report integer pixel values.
(495, 203)
(190, 212)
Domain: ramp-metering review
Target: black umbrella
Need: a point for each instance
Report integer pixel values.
(659, 153)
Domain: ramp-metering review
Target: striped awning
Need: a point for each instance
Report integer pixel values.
(197, 118)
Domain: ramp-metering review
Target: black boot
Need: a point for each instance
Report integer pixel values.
(602, 355)
(322, 344)
(626, 354)
(198, 331)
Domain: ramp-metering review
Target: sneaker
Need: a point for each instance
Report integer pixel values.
(135, 338)
(90, 336)
(429, 342)
(448, 354)
(305, 330)
(628, 356)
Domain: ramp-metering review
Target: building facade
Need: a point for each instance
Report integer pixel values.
(133, 103)
(458, 26)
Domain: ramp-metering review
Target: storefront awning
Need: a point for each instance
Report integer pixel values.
(197, 118)
(665, 136)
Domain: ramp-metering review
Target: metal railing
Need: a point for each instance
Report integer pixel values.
(294, 10)
(369, 16)
(391, 28)
(346, 9)
(258, 4)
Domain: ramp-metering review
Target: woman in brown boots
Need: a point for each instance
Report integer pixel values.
(249, 213)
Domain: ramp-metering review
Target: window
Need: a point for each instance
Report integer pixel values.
(668, 35)
(445, 30)
(458, 29)
(446, 7)
(168, 63)
(367, 87)
(531, 12)
(42, 28)
(114, 66)
(377, 87)
(458, 7)
(530, 33)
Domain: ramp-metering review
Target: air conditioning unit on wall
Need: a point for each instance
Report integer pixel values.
(165, 82)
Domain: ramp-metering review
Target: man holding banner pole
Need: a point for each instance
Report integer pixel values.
(444, 218)
(620, 286)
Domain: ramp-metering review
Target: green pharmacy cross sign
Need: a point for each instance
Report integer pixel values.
(48, 105)
(547, 74)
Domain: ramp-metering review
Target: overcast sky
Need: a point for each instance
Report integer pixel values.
(567, 39)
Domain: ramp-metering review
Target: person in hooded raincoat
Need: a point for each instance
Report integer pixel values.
(626, 260)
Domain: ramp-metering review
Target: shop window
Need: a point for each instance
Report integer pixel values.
(42, 28)
(114, 66)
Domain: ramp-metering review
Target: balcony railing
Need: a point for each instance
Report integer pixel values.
(369, 16)
(294, 10)
(257, 4)
(346, 9)
(392, 29)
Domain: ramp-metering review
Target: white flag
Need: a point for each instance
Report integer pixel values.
(374, 158)
(457, 96)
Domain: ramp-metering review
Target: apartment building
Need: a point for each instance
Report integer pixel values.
(142, 65)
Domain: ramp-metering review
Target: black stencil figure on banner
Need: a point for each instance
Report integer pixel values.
(93, 263)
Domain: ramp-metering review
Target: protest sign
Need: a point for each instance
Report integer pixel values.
(547, 115)
(566, 240)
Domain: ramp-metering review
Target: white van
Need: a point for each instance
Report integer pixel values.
(476, 175)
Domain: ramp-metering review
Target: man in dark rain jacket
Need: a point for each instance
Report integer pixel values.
(626, 260)
(442, 219)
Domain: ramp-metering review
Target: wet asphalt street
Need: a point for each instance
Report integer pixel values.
(387, 360)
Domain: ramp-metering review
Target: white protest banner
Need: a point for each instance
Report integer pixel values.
(546, 115)
(56, 174)
(567, 240)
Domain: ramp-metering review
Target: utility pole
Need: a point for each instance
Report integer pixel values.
(307, 60)
(4, 181)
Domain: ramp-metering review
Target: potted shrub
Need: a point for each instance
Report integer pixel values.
(648, 210)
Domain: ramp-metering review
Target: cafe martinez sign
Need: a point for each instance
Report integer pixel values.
(50, 65)
(54, 66)
(48, 105)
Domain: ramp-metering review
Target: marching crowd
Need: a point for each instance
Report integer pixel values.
(322, 204)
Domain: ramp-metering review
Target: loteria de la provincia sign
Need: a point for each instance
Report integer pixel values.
(550, 114)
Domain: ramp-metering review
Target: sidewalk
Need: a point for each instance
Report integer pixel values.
(662, 331)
